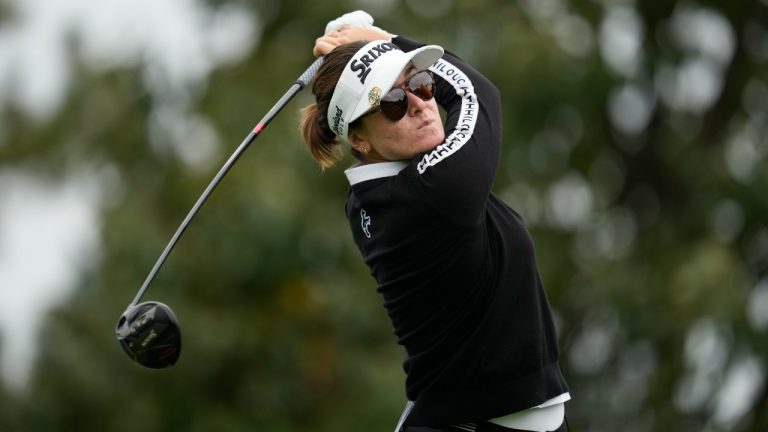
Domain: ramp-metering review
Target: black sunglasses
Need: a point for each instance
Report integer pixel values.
(394, 104)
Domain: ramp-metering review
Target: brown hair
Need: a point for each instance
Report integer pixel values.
(323, 144)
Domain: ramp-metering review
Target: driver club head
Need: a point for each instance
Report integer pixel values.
(149, 333)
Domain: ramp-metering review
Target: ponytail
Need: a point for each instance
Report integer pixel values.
(323, 144)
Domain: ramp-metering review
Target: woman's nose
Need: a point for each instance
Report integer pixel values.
(415, 103)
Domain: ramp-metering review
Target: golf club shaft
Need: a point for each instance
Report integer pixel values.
(300, 83)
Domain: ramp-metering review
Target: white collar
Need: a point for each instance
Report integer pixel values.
(361, 173)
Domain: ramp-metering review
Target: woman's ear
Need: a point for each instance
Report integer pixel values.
(359, 143)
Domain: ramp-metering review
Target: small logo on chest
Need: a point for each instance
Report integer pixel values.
(365, 223)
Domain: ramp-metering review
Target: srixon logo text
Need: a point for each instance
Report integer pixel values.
(363, 65)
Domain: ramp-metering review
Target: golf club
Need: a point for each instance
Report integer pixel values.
(149, 332)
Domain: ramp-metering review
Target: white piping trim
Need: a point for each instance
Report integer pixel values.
(406, 411)
(361, 173)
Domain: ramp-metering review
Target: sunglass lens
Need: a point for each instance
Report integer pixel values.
(422, 85)
(394, 104)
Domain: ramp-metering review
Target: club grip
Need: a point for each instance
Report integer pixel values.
(308, 74)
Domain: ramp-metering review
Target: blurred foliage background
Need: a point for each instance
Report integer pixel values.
(635, 146)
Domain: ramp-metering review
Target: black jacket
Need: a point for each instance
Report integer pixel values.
(456, 266)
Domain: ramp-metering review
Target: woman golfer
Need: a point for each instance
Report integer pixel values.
(454, 264)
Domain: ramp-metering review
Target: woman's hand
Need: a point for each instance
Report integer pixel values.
(347, 34)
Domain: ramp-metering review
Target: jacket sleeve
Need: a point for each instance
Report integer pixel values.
(455, 179)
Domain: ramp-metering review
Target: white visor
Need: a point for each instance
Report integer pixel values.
(368, 76)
